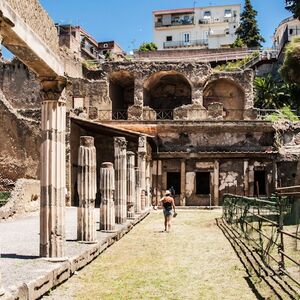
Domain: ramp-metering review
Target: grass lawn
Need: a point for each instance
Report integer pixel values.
(194, 261)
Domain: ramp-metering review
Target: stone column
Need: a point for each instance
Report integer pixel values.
(182, 182)
(216, 183)
(251, 180)
(246, 178)
(142, 150)
(53, 170)
(137, 207)
(148, 196)
(87, 187)
(131, 190)
(121, 182)
(107, 188)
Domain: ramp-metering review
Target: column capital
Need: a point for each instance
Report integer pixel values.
(87, 141)
(142, 147)
(120, 142)
(53, 89)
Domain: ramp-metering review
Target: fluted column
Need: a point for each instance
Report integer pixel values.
(131, 191)
(53, 170)
(87, 185)
(137, 207)
(148, 175)
(142, 150)
(121, 179)
(107, 188)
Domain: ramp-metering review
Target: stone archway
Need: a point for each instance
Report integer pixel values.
(166, 90)
(228, 94)
(121, 92)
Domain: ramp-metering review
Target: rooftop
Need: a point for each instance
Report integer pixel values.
(190, 10)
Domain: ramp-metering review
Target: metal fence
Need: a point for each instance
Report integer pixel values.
(265, 225)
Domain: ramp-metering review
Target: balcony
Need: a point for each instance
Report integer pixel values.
(217, 20)
(192, 43)
(177, 21)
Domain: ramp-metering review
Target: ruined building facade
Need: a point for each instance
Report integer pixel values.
(203, 134)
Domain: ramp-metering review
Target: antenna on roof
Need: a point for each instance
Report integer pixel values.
(195, 1)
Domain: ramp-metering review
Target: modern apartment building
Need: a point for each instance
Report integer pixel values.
(200, 27)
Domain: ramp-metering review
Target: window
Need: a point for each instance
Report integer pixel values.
(227, 13)
(186, 37)
(169, 38)
(203, 183)
(173, 180)
(259, 183)
(207, 15)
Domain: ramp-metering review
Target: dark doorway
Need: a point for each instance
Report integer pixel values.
(259, 183)
(173, 180)
(203, 183)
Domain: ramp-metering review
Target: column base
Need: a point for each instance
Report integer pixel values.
(56, 259)
(88, 242)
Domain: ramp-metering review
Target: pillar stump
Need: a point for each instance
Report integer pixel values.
(120, 145)
(107, 188)
(142, 150)
(87, 188)
(131, 191)
(53, 170)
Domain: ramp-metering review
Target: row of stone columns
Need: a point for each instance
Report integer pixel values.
(121, 189)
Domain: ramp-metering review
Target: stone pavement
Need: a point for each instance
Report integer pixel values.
(24, 274)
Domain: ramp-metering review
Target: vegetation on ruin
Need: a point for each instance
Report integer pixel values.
(283, 114)
(290, 71)
(248, 31)
(91, 64)
(145, 47)
(4, 196)
(235, 65)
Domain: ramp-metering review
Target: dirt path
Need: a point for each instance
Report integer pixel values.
(194, 261)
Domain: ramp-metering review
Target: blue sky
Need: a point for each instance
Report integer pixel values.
(129, 22)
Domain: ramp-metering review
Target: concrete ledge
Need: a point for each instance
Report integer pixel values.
(62, 271)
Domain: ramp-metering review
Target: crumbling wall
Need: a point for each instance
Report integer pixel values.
(19, 150)
(25, 197)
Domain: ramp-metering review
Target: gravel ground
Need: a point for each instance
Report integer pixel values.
(19, 247)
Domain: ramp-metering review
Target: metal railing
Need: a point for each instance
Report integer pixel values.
(174, 44)
(112, 115)
(261, 223)
(164, 114)
(180, 22)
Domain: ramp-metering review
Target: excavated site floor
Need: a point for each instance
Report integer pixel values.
(194, 261)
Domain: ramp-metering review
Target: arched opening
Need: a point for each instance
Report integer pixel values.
(166, 90)
(121, 92)
(227, 93)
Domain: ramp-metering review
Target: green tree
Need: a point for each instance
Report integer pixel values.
(248, 30)
(266, 92)
(145, 47)
(290, 71)
(294, 7)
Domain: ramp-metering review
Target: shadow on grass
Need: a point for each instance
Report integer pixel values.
(252, 263)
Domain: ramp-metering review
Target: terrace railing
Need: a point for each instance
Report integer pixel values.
(262, 223)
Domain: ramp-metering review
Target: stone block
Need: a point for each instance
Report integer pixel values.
(79, 262)
(149, 114)
(135, 112)
(190, 112)
(62, 273)
(215, 111)
(40, 286)
(93, 113)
